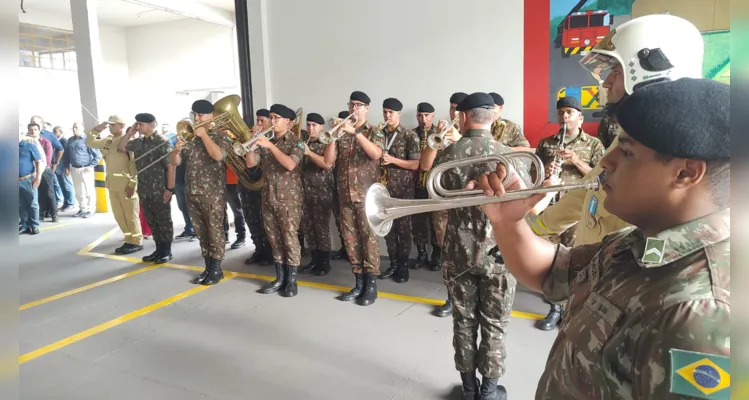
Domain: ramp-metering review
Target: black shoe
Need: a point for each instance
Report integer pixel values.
(156, 254)
(186, 234)
(323, 263)
(471, 385)
(312, 264)
(552, 318)
(290, 289)
(421, 258)
(267, 258)
(33, 231)
(200, 278)
(239, 242)
(444, 310)
(256, 256)
(54, 217)
(436, 263)
(390, 271)
(401, 274)
(356, 291)
(79, 213)
(215, 273)
(276, 285)
(166, 253)
(490, 390)
(23, 230)
(370, 290)
(340, 254)
(128, 248)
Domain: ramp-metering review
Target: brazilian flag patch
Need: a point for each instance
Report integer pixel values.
(706, 376)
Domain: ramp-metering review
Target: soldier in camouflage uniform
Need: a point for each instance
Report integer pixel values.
(155, 184)
(608, 128)
(480, 287)
(357, 155)
(398, 163)
(252, 204)
(205, 179)
(505, 131)
(649, 306)
(439, 218)
(282, 196)
(423, 224)
(319, 186)
(341, 253)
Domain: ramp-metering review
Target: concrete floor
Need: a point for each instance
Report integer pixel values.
(130, 338)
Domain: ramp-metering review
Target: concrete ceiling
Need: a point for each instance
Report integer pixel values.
(124, 13)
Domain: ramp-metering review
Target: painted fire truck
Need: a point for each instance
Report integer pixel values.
(579, 31)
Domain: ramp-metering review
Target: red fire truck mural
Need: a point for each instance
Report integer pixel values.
(580, 31)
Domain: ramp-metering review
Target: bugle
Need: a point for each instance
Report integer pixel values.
(243, 148)
(382, 209)
(183, 134)
(436, 141)
(335, 133)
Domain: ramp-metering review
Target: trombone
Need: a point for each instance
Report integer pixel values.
(436, 141)
(382, 209)
(335, 133)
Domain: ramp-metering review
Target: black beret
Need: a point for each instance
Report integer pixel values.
(263, 113)
(425, 108)
(458, 97)
(145, 117)
(498, 100)
(343, 114)
(315, 117)
(360, 96)
(685, 118)
(569, 102)
(202, 107)
(392, 104)
(283, 111)
(476, 100)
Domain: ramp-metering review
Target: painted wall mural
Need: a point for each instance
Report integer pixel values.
(575, 26)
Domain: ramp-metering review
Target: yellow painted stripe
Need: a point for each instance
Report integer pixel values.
(110, 324)
(49, 227)
(84, 288)
(98, 241)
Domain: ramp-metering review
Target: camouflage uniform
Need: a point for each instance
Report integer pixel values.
(404, 144)
(152, 184)
(479, 285)
(631, 313)
(423, 224)
(356, 173)
(282, 196)
(205, 180)
(318, 186)
(608, 129)
(252, 203)
(509, 133)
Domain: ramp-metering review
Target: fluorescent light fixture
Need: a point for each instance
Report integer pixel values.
(177, 12)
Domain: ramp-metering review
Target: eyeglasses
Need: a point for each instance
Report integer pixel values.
(355, 105)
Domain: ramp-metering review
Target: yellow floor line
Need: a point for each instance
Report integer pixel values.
(98, 241)
(110, 324)
(48, 227)
(84, 288)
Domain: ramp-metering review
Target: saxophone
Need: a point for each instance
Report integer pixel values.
(383, 168)
(502, 126)
(424, 174)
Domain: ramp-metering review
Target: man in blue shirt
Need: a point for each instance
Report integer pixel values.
(82, 160)
(58, 152)
(29, 178)
(66, 195)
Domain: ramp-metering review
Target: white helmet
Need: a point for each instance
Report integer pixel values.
(651, 48)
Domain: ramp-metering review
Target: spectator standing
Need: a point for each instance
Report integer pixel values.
(64, 189)
(46, 190)
(82, 160)
(30, 163)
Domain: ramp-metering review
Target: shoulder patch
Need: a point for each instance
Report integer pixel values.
(654, 250)
(706, 376)
(300, 145)
(379, 133)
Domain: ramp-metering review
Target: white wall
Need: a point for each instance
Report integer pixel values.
(433, 49)
(186, 55)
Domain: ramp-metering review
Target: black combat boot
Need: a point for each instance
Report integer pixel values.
(391, 269)
(215, 273)
(436, 263)
(401, 274)
(276, 285)
(421, 258)
(323, 263)
(155, 254)
(490, 390)
(356, 291)
(200, 278)
(471, 385)
(257, 255)
(552, 318)
(240, 242)
(303, 250)
(165, 254)
(312, 264)
(340, 254)
(267, 256)
(290, 288)
(444, 310)
(370, 290)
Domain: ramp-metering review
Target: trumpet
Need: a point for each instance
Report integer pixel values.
(436, 141)
(335, 133)
(382, 209)
(243, 148)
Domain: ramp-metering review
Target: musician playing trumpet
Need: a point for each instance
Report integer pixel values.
(505, 131)
(399, 161)
(422, 224)
(252, 203)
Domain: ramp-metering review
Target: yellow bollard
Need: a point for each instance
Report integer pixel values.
(102, 201)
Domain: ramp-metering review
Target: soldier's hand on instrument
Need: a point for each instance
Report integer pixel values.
(568, 155)
(347, 127)
(507, 211)
(306, 150)
(263, 142)
(387, 159)
(441, 125)
(453, 135)
(200, 132)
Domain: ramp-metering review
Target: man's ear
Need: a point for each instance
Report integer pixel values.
(690, 172)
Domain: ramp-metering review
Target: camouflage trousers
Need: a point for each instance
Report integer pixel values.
(281, 228)
(566, 238)
(482, 299)
(252, 205)
(362, 245)
(337, 212)
(439, 221)
(207, 217)
(423, 224)
(316, 221)
(158, 216)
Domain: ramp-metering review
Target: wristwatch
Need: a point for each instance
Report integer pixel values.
(171, 190)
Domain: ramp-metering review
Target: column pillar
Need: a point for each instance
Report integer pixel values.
(255, 30)
(89, 58)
